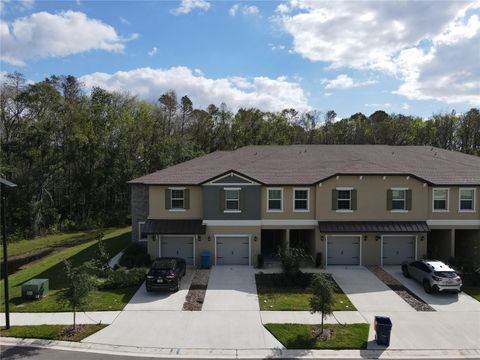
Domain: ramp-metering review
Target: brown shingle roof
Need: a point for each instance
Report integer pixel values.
(308, 164)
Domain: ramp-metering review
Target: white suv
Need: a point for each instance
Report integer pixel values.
(433, 274)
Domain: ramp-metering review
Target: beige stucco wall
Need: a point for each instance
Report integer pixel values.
(153, 247)
(453, 212)
(157, 204)
(372, 198)
(287, 212)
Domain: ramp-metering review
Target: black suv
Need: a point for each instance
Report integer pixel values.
(165, 274)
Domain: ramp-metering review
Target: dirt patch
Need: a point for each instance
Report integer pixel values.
(70, 331)
(197, 291)
(410, 298)
(325, 335)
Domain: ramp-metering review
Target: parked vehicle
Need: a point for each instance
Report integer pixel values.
(434, 275)
(165, 274)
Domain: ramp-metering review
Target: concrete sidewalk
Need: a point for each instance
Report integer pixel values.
(60, 318)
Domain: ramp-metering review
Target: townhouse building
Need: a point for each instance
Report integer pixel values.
(352, 204)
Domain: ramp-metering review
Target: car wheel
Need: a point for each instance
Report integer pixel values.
(177, 287)
(427, 287)
(405, 271)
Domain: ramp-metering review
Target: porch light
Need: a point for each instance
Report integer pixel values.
(255, 238)
(199, 238)
(209, 238)
(422, 238)
(378, 237)
(321, 238)
(365, 237)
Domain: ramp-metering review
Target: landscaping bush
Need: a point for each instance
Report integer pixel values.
(260, 261)
(291, 259)
(318, 260)
(135, 255)
(123, 278)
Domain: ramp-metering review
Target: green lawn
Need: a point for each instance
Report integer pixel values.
(298, 336)
(50, 332)
(51, 268)
(63, 239)
(274, 296)
(472, 290)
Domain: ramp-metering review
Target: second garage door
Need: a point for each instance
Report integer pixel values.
(397, 249)
(232, 250)
(178, 246)
(343, 250)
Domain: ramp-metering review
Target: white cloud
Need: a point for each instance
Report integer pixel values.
(405, 106)
(274, 47)
(187, 6)
(436, 59)
(244, 10)
(378, 106)
(343, 81)
(261, 92)
(17, 5)
(153, 52)
(282, 9)
(124, 21)
(364, 34)
(43, 35)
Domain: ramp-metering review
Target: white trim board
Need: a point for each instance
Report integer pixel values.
(292, 222)
(231, 174)
(453, 222)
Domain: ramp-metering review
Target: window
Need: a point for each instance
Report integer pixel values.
(300, 199)
(344, 199)
(141, 236)
(440, 199)
(399, 199)
(177, 199)
(275, 199)
(467, 200)
(232, 200)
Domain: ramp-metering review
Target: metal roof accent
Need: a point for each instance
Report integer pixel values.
(171, 227)
(373, 226)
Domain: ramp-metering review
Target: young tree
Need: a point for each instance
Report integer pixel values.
(322, 299)
(79, 285)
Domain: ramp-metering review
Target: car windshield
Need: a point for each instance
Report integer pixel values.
(163, 264)
(446, 274)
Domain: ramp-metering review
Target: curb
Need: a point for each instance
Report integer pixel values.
(172, 353)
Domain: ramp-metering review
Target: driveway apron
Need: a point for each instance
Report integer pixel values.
(366, 291)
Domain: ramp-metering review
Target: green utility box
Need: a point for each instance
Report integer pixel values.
(35, 289)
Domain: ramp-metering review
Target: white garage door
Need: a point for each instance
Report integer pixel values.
(233, 250)
(177, 246)
(343, 250)
(397, 249)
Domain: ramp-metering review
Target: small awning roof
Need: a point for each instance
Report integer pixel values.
(164, 226)
(374, 226)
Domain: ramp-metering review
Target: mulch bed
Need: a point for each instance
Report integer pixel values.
(69, 331)
(196, 292)
(407, 295)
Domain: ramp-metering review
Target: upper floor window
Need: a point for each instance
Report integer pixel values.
(399, 199)
(467, 200)
(440, 199)
(344, 199)
(232, 200)
(300, 199)
(275, 199)
(177, 199)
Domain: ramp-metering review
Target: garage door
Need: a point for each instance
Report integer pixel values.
(232, 250)
(178, 246)
(343, 250)
(397, 249)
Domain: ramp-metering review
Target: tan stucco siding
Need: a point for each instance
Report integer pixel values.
(372, 198)
(153, 247)
(288, 212)
(453, 208)
(157, 208)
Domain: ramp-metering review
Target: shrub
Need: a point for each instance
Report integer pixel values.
(123, 278)
(135, 255)
(290, 260)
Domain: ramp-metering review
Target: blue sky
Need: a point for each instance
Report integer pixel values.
(346, 56)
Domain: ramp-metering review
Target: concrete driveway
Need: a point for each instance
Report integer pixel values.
(439, 301)
(230, 318)
(366, 291)
(231, 288)
(143, 300)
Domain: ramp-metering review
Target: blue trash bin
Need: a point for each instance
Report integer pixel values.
(383, 328)
(205, 260)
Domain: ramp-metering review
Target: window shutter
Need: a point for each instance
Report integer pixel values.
(334, 199)
(186, 195)
(353, 194)
(241, 200)
(389, 199)
(409, 200)
(222, 199)
(168, 203)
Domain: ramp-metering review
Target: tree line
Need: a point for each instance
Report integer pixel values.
(71, 151)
